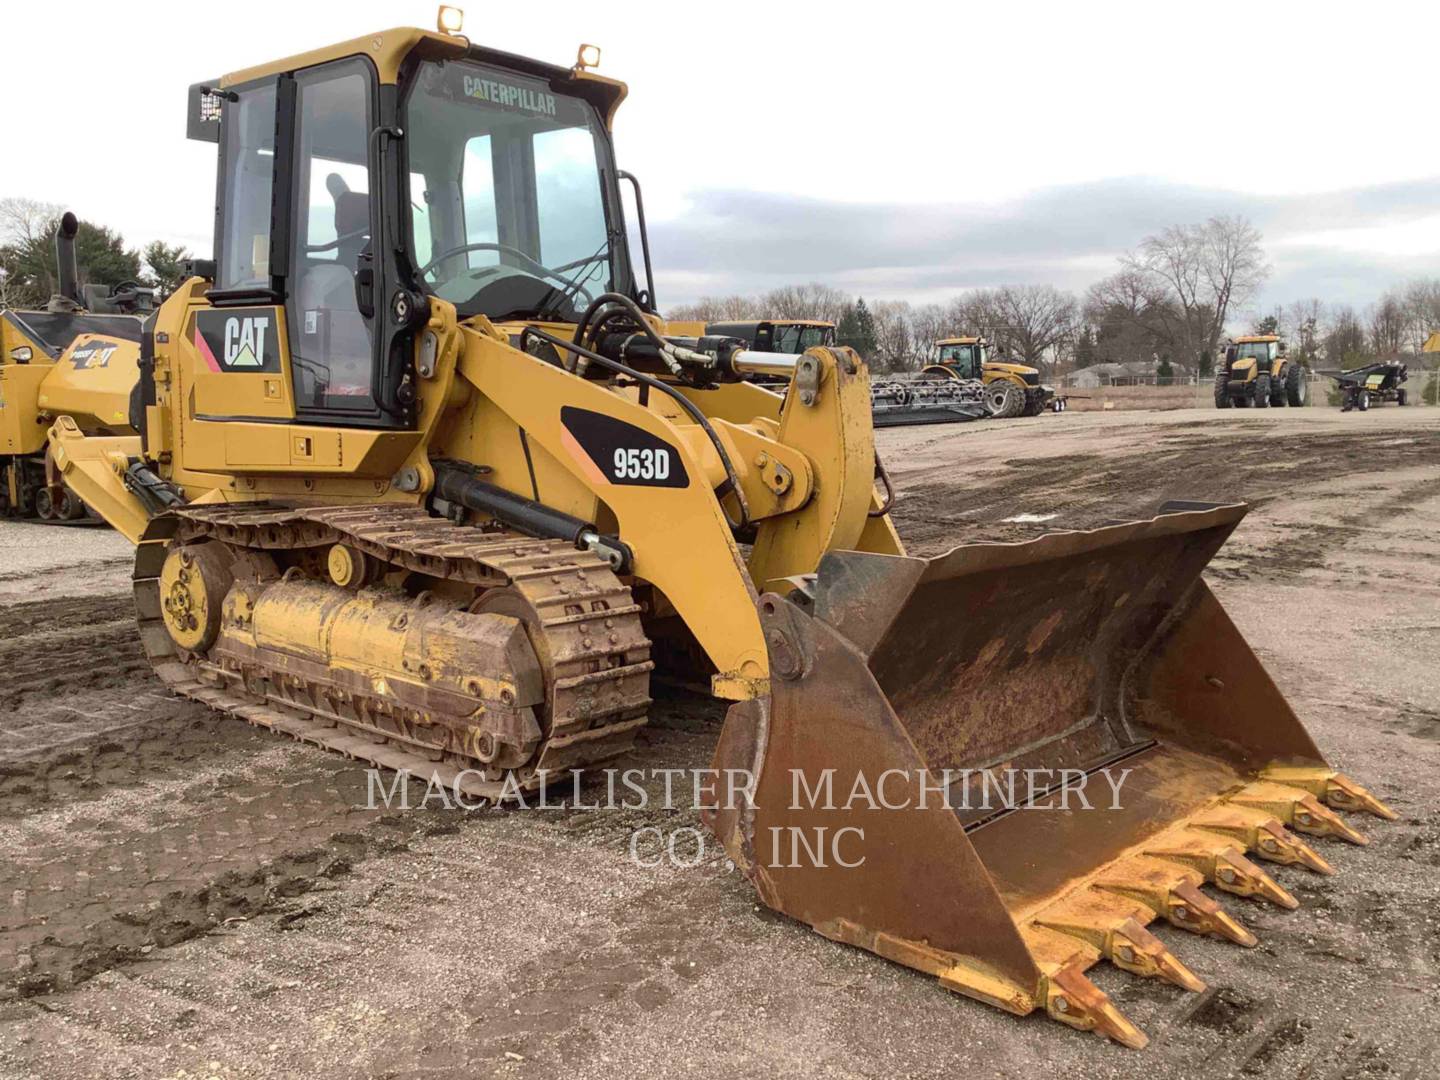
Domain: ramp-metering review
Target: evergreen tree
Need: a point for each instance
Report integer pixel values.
(865, 335)
(166, 265)
(847, 330)
(1085, 348)
(31, 277)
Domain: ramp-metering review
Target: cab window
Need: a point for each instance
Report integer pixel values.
(787, 339)
(331, 349)
(514, 176)
(248, 176)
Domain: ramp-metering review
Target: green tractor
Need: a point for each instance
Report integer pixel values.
(1256, 372)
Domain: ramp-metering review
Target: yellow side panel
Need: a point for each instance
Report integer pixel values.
(91, 383)
(271, 445)
(22, 429)
(486, 434)
(227, 392)
(258, 444)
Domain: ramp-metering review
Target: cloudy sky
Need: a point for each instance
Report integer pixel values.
(904, 150)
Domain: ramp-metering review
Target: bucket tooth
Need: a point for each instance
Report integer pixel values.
(1344, 794)
(1239, 876)
(1278, 844)
(1192, 910)
(1073, 999)
(1311, 817)
(1298, 809)
(1134, 949)
(1173, 891)
(1113, 926)
(1222, 864)
(1262, 834)
(1332, 788)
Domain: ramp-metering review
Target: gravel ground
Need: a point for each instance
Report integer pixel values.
(61, 560)
(190, 897)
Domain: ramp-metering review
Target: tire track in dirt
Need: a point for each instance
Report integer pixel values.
(54, 648)
(131, 819)
(93, 885)
(1085, 490)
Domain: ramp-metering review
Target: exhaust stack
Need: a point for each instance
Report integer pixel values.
(68, 293)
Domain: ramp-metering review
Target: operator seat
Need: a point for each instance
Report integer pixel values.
(334, 336)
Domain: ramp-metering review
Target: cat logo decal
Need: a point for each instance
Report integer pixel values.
(239, 340)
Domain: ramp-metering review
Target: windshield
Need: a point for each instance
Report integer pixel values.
(1256, 350)
(956, 354)
(796, 339)
(509, 187)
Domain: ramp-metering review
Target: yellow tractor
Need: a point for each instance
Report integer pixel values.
(1256, 372)
(1010, 389)
(77, 358)
(427, 481)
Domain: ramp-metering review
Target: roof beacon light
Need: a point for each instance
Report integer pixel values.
(450, 20)
(587, 57)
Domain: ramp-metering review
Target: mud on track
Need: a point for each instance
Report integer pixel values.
(185, 894)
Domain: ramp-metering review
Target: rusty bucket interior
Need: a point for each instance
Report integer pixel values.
(997, 766)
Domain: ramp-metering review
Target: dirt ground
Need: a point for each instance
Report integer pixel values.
(185, 896)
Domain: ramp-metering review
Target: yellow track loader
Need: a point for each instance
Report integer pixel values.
(426, 481)
(77, 358)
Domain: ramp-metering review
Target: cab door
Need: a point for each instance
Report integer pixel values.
(286, 353)
(239, 344)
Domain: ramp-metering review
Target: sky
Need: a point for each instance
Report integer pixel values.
(900, 151)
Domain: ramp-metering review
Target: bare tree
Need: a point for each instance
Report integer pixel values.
(1032, 320)
(1345, 341)
(1206, 271)
(717, 309)
(1386, 325)
(24, 221)
(1422, 311)
(1134, 318)
(928, 324)
(24, 225)
(1302, 324)
(811, 301)
(894, 347)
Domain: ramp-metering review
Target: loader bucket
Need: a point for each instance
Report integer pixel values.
(997, 766)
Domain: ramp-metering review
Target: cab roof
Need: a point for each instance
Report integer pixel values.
(388, 49)
(960, 341)
(1256, 339)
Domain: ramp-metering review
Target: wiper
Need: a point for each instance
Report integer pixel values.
(551, 306)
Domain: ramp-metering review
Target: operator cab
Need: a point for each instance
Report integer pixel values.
(777, 336)
(796, 337)
(479, 178)
(1265, 349)
(966, 356)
